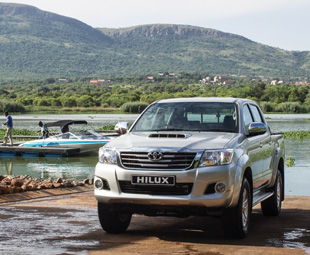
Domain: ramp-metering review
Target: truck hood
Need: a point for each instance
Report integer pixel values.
(184, 140)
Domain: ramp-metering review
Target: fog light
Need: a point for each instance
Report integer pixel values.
(98, 184)
(220, 187)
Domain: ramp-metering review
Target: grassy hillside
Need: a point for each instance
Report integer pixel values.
(179, 48)
(35, 44)
(38, 44)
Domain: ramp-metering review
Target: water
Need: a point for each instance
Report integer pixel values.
(69, 168)
(30, 121)
(78, 168)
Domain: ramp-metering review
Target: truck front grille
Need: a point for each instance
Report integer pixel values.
(177, 189)
(169, 160)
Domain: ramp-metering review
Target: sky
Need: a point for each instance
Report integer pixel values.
(279, 23)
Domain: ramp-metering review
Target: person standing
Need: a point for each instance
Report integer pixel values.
(44, 131)
(9, 129)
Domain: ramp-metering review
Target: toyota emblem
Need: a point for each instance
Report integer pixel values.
(155, 155)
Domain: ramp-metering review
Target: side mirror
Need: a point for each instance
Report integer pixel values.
(257, 128)
(121, 128)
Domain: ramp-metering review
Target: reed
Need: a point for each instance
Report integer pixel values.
(9, 106)
(298, 135)
(133, 107)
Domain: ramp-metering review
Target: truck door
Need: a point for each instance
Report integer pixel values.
(253, 149)
(266, 148)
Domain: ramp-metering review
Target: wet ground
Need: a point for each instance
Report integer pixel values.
(67, 224)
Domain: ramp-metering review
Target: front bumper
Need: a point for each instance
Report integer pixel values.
(194, 187)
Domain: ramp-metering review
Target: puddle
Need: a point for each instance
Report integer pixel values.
(297, 238)
(32, 231)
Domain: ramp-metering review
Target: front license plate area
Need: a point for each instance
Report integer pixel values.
(153, 180)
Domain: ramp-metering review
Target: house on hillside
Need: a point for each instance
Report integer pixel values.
(274, 82)
(228, 83)
(206, 80)
(99, 82)
(301, 83)
(149, 78)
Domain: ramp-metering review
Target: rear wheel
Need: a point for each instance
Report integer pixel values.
(272, 205)
(236, 220)
(113, 221)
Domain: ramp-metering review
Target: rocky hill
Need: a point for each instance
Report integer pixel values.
(38, 44)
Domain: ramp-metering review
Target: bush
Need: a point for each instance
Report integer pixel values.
(291, 107)
(134, 107)
(85, 101)
(267, 107)
(9, 106)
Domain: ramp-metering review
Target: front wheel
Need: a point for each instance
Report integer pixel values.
(113, 221)
(272, 206)
(236, 220)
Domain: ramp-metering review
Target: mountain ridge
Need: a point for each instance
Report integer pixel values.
(39, 44)
(167, 30)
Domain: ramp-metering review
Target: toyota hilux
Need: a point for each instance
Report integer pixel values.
(192, 156)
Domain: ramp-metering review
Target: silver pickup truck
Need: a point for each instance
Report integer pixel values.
(192, 156)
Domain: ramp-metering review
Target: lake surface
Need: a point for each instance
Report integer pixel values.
(31, 122)
(297, 178)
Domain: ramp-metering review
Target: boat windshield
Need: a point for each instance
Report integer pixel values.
(81, 135)
(189, 116)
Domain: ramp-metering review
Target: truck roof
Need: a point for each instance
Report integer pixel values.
(203, 99)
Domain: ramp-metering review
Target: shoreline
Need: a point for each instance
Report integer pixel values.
(11, 185)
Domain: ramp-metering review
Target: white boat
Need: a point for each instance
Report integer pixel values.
(86, 140)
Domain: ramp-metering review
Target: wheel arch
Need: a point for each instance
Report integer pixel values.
(243, 169)
(281, 169)
(248, 174)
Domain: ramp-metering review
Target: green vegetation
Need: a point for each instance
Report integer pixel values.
(298, 135)
(11, 106)
(18, 131)
(35, 44)
(133, 107)
(290, 162)
(133, 94)
(107, 127)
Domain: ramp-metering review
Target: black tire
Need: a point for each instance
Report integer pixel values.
(272, 205)
(236, 220)
(113, 221)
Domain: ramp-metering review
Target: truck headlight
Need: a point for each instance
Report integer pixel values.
(216, 157)
(107, 155)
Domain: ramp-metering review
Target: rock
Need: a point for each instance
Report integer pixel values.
(10, 189)
(18, 182)
(11, 184)
(59, 180)
(3, 189)
(75, 183)
(17, 189)
(56, 185)
(25, 187)
(50, 186)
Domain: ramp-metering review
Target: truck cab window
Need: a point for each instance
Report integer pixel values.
(247, 117)
(256, 114)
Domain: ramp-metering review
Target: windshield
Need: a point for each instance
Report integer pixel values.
(200, 116)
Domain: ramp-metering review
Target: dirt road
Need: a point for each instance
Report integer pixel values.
(65, 222)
